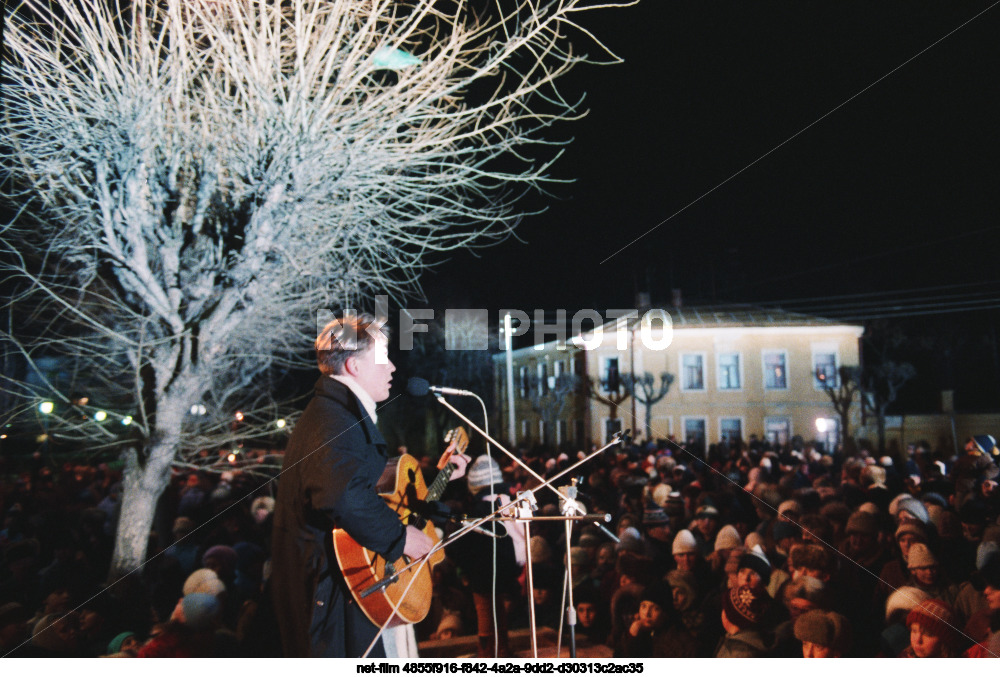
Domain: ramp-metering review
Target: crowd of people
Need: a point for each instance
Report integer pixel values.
(740, 550)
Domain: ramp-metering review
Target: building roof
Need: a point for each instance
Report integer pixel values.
(726, 316)
(743, 316)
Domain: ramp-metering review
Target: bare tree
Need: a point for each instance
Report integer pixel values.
(550, 397)
(882, 385)
(204, 175)
(842, 391)
(645, 392)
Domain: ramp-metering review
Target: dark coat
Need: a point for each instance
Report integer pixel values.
(332, 463)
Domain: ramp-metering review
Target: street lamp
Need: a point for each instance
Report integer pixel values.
(46, 407)
(100, 416)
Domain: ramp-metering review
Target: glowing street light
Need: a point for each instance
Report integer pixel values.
(127, 420)
(198, 410)
(239, 416)
(280, 423)
(100, 416)
(821, 425)
(46, 407)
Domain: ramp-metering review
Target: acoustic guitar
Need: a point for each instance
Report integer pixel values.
(403, 488)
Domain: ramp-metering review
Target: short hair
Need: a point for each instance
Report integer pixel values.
(345, 336)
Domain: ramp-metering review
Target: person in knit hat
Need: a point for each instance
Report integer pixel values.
(647, 636)
(685, 550)
(190, 632)
(474, 554)
(743, 609)
(656, 524)
(895, 637)
(926, 574)
(824, 634)
(933, 631)
(204, 581)
(725, 541)
(753, 568)
(704, 527)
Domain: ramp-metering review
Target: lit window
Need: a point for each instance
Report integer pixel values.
(825, 370)
(775, 370)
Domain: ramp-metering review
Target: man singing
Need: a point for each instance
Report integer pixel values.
(333, 460)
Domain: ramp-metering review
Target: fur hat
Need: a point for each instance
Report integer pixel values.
(936, 618)
(684, 541)
(685, 580)
(807, 588)
(905, 598)
(790, 506)
(182, 526)
(861, 522)
(825, 628)
(920, 556)
(727, 538)
(482, 471)
(745, 605)
(201, 611)
(809, 556)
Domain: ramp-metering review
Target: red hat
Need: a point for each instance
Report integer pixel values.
(936, 618)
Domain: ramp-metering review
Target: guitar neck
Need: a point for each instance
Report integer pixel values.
(440, 482)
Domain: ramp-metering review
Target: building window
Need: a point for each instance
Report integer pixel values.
(692, 371)
(694, 433)
(729, 371)
(543, 378)
(611, 426)
(543, 432)
(561, 431)
(557, 368)
(526, 429)
(525, 381)
(731, 429)
(825, 370)
(610, 375)
(778, 430)
(775, 370)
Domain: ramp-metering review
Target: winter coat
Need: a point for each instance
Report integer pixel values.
(332, 463)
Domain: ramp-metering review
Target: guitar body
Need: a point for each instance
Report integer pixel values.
(401, 484)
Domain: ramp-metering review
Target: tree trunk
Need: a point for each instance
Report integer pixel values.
(142, 485)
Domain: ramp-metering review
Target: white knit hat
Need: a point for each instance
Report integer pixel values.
(920, 556)
(204, 581)
(684, 542)
(728, 538)
(482, 471)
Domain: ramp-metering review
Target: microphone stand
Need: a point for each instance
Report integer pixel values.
(615, 440)
(511, 507)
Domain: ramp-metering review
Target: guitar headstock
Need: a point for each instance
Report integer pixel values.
(458, 441)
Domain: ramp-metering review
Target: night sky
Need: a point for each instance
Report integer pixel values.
(894, 190)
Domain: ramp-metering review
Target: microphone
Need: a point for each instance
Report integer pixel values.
(418, 387)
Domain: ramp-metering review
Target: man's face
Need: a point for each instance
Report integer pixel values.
(748, 576)
(586, 614)
(372, 369)
(925, 575)
(905, 541)
(810, 650)
(686, 560)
